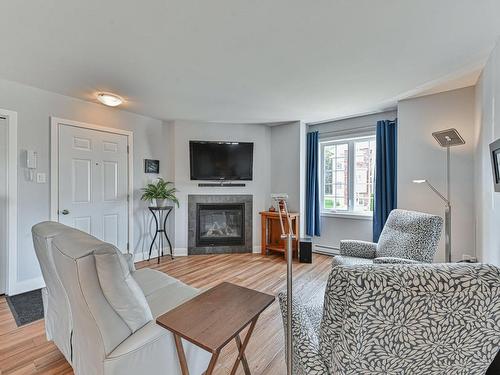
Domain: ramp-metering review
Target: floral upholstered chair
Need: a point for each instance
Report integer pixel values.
(407, 237)
(400, 319)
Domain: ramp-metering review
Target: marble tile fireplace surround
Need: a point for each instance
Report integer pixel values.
(219, 224)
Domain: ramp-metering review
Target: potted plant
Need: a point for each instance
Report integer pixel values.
(159, 191)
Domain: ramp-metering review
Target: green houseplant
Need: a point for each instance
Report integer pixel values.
(160, 191)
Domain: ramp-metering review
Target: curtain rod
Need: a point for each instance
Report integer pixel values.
(348, 117)
(353, 130)
(348, 131)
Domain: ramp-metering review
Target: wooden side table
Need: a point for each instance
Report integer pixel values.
(215, 317)
(271, 240)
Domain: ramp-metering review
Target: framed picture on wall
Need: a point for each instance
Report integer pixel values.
(495, 163)
(151, 166)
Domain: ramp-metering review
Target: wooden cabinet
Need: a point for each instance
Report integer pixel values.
(271, 240)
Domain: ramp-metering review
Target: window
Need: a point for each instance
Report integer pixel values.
(347, 175)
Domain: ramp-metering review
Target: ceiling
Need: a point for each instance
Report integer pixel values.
(248, 61)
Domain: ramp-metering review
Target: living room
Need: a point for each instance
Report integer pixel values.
(172, 171)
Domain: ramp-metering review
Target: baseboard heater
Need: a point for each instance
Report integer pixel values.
(329, 250)
(221, 184)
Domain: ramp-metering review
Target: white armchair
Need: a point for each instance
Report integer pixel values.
(100, 341)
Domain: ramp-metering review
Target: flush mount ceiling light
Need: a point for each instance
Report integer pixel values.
(109, 99)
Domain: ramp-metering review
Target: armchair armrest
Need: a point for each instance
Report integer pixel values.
(305, 331)
(393, 260)
(358, 249)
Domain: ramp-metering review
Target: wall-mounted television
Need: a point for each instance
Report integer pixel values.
(495, 163)
(221, 160)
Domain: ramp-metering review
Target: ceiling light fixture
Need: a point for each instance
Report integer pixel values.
(109, 99)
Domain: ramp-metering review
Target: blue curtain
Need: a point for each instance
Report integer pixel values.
(385, 175)
(313, 219)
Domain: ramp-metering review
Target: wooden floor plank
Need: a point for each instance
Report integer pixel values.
(25, 351)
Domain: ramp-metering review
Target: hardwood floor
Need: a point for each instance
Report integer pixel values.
(25, 350)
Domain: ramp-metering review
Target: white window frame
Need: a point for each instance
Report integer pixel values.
(350, 140)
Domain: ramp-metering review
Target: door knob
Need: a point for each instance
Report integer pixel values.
(65, 212)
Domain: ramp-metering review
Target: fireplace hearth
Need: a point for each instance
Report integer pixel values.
(219, 224)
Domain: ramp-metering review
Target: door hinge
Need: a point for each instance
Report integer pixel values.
(128, 247)
(128, 149)
(128, 197)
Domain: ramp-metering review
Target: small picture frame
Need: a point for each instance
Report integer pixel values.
(151, 166)
(495, 163)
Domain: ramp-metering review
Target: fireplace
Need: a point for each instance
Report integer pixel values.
(220, 224)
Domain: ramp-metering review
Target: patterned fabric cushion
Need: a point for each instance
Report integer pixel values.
(390, 260)
(359, 249)
(340, 260)
(410, 235)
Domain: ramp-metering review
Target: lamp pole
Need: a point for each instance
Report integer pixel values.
(446, 139)
(447, 216)
(447, 212)
(288, 236)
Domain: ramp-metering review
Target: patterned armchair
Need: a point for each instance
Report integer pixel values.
(407, 237)
(400, 319)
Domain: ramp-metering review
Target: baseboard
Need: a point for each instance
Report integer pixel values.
(256, 249)
(26, 286)
(181, 252)
(178, 252)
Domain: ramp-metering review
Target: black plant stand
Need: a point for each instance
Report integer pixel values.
(160, 215)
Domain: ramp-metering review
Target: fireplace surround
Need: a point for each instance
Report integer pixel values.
(219, 224)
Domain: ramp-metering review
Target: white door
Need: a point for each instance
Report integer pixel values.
(4, 139)
(93, 183)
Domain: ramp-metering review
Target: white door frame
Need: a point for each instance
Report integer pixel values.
(11, 280)
(55, 122)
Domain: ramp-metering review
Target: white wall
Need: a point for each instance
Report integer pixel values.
(34, 108)
(335, 229)
(285, 162)
(420, 157)
(260, 187)
(4, 173)
(288, 165)
(487, 130)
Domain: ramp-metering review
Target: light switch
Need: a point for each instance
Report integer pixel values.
(41, 178)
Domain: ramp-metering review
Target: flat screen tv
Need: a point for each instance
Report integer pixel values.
(221, 160)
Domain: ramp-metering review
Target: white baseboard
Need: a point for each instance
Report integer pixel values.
(256, 249)
(181, 252)
(178, 252)
(26, 286)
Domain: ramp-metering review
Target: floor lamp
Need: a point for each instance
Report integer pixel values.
(288, 235)
(446, 138)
